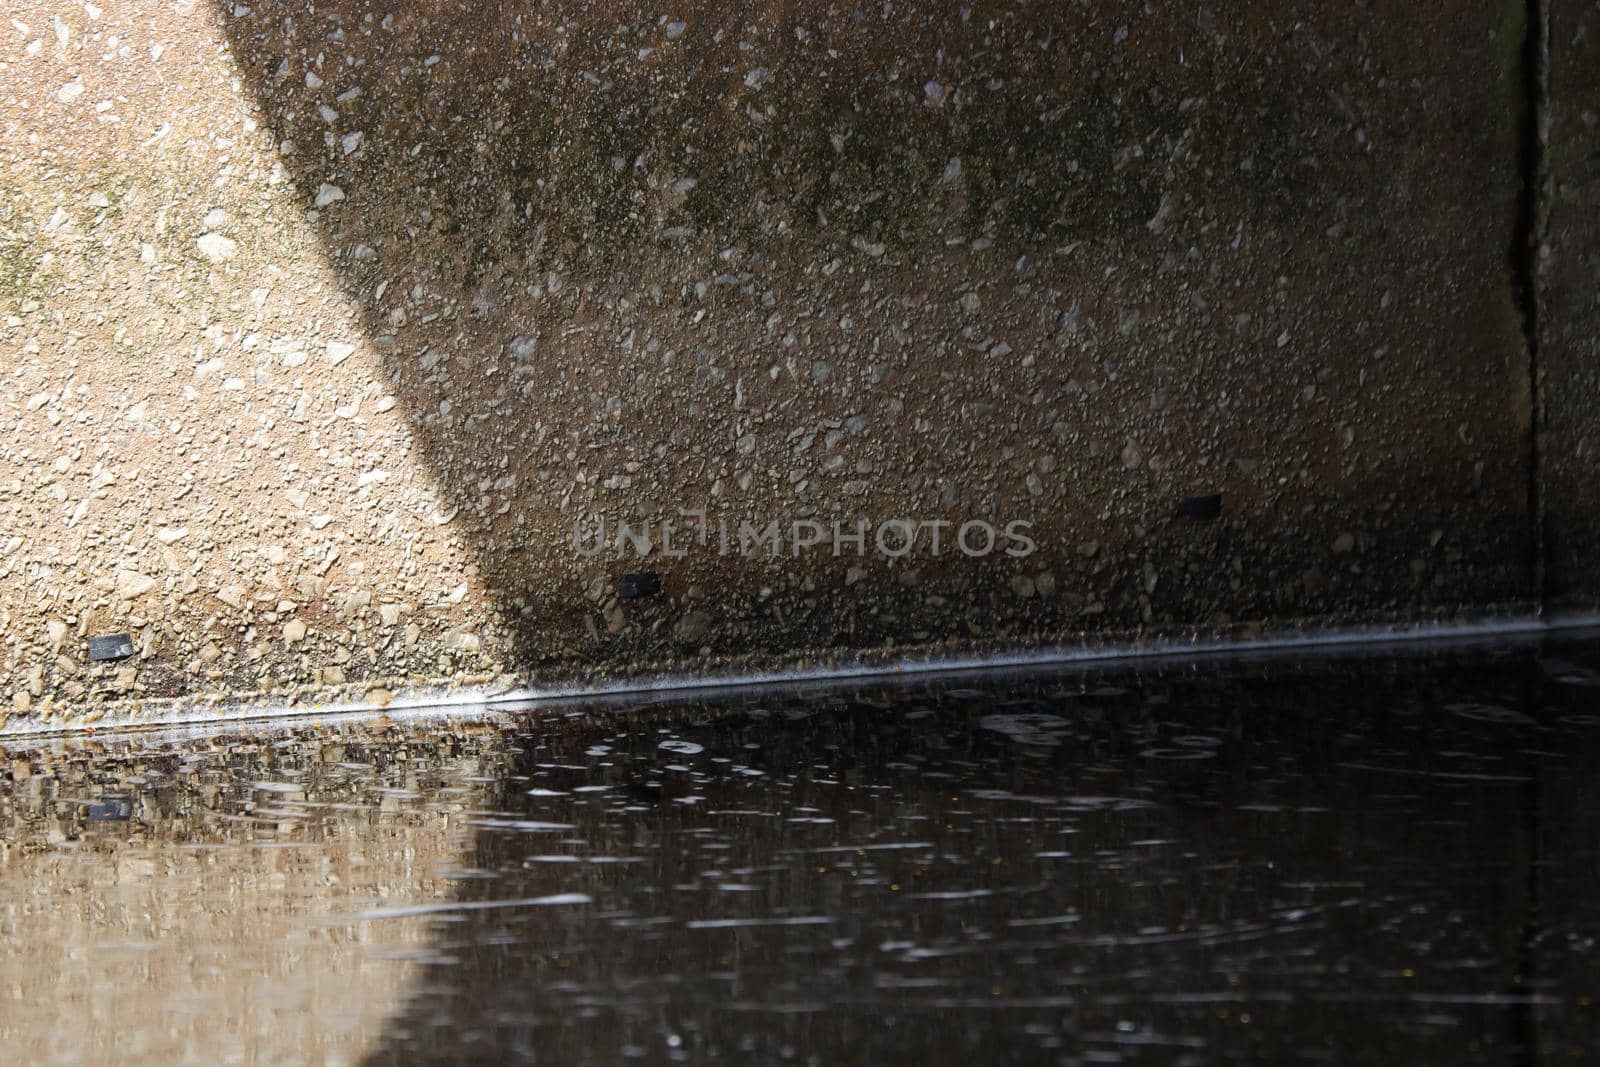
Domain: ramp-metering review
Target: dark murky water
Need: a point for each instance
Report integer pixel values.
(1387, 860)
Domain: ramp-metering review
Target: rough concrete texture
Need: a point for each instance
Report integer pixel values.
(1569, 312)
(326, 323)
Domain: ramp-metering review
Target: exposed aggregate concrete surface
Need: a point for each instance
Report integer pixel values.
(326, 326)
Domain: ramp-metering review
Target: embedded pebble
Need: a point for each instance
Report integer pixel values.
(217, 248)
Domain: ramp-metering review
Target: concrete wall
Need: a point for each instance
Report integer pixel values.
(325, 326)
(1569, 264)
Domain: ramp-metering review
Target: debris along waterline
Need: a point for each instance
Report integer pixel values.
(441, 699)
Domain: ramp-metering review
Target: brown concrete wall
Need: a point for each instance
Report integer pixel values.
(1569, 265)
(324, 326)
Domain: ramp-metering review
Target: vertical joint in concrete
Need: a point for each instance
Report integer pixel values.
(1527, 257)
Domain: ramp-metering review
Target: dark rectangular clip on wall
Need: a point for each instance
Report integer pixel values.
(639, 585)
(1201, 508)
(110, 646)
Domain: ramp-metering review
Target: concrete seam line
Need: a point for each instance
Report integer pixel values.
(1527, 262)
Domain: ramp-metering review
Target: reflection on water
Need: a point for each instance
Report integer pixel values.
(1385, 861)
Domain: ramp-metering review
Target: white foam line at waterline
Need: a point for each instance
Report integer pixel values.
(1049, 655)
(740, 924)
(424, 704)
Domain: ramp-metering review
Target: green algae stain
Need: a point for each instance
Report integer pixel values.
(20, 258)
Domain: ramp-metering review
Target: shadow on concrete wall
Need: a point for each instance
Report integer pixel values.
(1006, 262)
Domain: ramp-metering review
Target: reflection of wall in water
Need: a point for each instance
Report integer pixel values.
(204, 925)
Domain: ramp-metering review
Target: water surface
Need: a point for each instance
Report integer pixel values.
(1392, 859)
